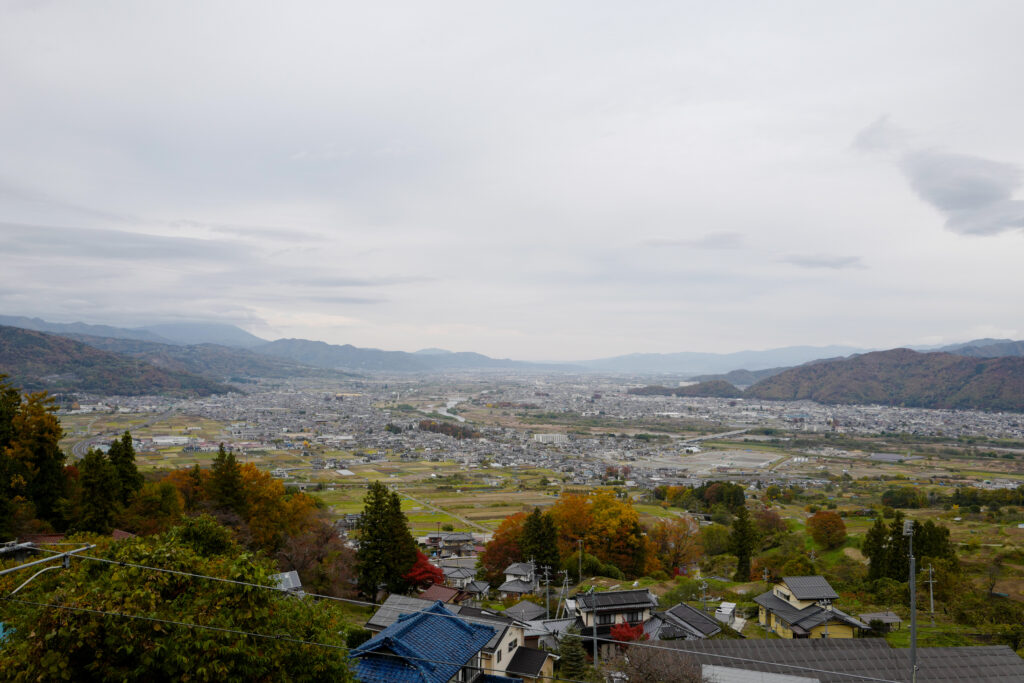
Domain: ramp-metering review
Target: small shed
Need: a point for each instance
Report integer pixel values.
(891, 620)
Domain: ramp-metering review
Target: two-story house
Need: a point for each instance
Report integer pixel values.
(520, 579)
(502, 654)
(802, 607)
(609, 609)
(428, 646)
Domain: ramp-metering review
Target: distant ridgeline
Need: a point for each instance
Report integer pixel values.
(896, 377)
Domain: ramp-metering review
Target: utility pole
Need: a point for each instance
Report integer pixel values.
(908, 531)
(931, 593)
(547, 592)
(703, 596)
(579, 576)
(764, 574)
(593, 616)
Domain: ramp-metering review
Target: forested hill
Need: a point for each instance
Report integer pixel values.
(37, 361)
(714, 389)
(903, 377)
(210, 360)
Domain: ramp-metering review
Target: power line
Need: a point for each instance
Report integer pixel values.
(456, 616)
(266, 636)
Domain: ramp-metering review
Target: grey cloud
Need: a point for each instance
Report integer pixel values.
(879, 136)
(974, 193)
(359, 282)
(39, 240)
(714, 240)
(823, 261)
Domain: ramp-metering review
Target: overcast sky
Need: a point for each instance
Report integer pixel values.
(551, 180)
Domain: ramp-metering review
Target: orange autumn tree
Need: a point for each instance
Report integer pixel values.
(610, 529)
(503, 549)
(272, 514)
(675, 542)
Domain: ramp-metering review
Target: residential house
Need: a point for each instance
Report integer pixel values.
(520, 579)
(526, 611)
(443, 593)
(495, 655)
(681, 622)
(429, 646)
(458, 543)
(609, 609)
(802, 607)
(458, 577)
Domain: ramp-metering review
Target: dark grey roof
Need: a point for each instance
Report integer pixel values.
(526, 611)
(884, 617)
(526, 661)
(392, 608)
(477, 587)
(834, 659)
(694, 618)
(617, 600)
(516, 586)
(458, 572)
(807, 618)
(810, 588)
(520, 569)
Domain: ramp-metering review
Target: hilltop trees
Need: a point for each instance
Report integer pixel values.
(387, 551)
(92, 634)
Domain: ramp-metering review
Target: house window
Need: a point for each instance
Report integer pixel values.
(512, 645)
(605, 619)
(633, 617)
(499, 657)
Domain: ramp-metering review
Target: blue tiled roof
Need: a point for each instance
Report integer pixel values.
(426, 647)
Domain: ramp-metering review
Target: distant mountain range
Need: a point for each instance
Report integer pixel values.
(351, 357)
(39, 361)
(210, 360)
(200, 358)
(167, 333)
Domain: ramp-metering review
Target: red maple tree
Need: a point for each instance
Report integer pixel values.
(422, 573)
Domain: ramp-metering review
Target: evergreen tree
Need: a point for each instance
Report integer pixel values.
(122, 457)
(874, 548)
(742, 541)
(540, 541)
(897, 551)
(572, 658)
(31, 462)
(387, 550)
(99, 504)
(226, 482)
